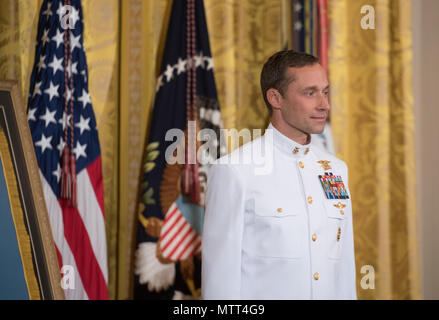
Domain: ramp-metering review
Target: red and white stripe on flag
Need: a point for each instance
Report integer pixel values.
(79, 235)
(178, 240)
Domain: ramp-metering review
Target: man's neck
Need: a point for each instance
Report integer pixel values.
(292, 133)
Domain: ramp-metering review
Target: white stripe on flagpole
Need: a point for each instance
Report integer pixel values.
(93, 219)
(57, 226)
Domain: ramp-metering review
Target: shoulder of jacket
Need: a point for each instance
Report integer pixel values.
(240, 155)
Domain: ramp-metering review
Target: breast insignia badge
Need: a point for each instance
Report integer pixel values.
(325, 164)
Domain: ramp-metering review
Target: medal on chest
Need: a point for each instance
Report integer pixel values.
(333, 186)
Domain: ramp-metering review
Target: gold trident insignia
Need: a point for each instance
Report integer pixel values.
(339, 205)
(325, 164)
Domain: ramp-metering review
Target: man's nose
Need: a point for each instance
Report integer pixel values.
(324, 103)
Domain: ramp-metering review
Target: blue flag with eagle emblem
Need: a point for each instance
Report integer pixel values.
(168, 253)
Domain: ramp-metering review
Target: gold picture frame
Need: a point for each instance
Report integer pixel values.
(26, 199)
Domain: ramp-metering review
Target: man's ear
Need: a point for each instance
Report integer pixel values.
(274, 98)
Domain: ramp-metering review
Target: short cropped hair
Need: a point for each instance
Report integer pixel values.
(273, 71)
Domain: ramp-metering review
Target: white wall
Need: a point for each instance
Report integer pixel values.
(425, 24)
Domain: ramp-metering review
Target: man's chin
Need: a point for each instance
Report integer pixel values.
(317, 130)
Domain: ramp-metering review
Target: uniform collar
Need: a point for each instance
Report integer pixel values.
(287, 145)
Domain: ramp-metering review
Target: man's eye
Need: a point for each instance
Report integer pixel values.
(309, 93)
(326, 93)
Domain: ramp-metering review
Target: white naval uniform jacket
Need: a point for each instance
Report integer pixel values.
(273, 234)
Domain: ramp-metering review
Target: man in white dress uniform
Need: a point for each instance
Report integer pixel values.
(283, 230)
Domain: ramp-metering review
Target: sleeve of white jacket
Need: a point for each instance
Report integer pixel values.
(347, 280)
(222, 234)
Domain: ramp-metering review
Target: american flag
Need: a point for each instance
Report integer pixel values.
(78, 231)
